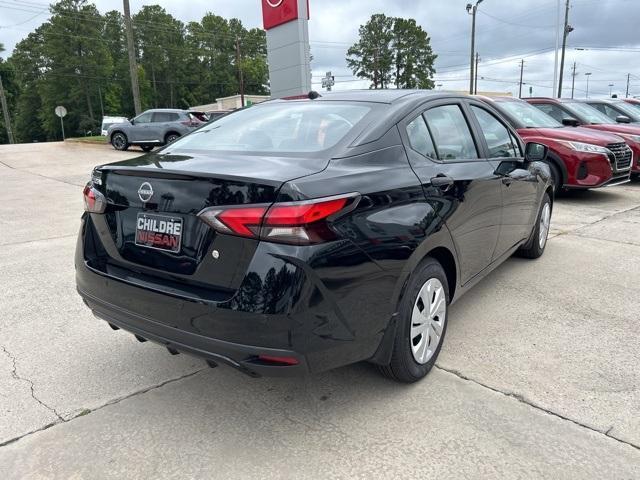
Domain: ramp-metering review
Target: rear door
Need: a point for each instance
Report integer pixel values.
(519, 185)
(161, 123)
(448, 161)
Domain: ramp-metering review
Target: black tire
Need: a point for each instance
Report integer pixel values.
(119, 141)
(534, 248)
(635, 177)
(171, 137)
(556, 178)
(146, 148)
(403, 366)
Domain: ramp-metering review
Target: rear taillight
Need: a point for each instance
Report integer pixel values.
(192, 123)
(298, 223)
(94, 201)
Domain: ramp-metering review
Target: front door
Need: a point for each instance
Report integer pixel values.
(140, 129)
(445, 155)
(519, 185)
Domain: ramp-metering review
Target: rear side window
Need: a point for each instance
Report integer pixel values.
(552, 110)
(451, 133)
(287, 126)
(420, 138)
(496, 134)
(159, 117)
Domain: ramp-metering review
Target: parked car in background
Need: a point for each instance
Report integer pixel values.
(578, 157)
(297, 236)
(632, 101)
(107, 121)
(616, 109)
(576, 113)
(217, 114)
(154, 128)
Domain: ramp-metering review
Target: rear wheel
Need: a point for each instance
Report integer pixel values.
(422, 323)
(171, 137)
(146, 148)
(119, 141)
(538, 241)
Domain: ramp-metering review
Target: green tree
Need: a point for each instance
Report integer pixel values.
(413, 56)
(393, 51)
(371, 57)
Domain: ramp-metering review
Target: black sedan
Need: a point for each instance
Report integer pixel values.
(301, 235)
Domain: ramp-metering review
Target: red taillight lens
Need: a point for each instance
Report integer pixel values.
(278, 361)
(94, 201)
(299, 223)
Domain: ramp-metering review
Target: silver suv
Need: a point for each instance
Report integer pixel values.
(153, 128)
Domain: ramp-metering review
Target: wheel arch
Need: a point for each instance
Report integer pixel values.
(554, 158)
(118, 131)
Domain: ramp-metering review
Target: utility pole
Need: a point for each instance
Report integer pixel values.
(240, 75)
(573, 79)
(555, 61)
(133, 66)
(521, 75)
(567, 30)
(628, 79)
(475, 82)
(471, 10)
(100, 97)
(5, 111)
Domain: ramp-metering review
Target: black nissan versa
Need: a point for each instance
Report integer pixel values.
(301, 235)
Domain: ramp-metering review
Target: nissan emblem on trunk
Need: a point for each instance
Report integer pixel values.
(145, 192)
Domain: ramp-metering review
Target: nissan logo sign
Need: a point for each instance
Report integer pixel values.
(145, 192)
(274, 3)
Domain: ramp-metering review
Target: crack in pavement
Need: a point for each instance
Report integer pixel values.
(522, 399)
(38, 240)
(40, 175)
(88, 411)
(14, 374)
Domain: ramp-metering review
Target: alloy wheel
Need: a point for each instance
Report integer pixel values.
(427, 320)
(545, 224)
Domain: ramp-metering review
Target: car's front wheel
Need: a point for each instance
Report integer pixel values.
(422, 323)
(538, 241)
(119, 141)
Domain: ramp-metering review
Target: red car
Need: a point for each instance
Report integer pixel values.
(578, 157)
(575, 112)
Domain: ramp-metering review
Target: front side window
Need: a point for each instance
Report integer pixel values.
(552, 110)
(143, 118)
(497, 136)
(451, 133)
(420, 138)
(279, 127)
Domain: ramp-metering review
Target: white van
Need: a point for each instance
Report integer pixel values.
(108, 121)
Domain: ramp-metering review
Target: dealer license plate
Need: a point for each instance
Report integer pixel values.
(159, 231)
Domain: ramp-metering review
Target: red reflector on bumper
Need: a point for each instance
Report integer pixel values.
(283, 361)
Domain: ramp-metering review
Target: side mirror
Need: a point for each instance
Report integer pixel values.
(623, 119)
(132, 121)
(535, 152)
(570, 122)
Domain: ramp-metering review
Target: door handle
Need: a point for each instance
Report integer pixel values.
(442, 181)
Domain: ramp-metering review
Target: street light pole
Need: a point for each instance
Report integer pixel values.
(611, 85)
(471, 10)
(588, 74)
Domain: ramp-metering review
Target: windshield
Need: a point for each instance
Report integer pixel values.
(631, 111)
(528, 115)
(590, 114)
(279, 127)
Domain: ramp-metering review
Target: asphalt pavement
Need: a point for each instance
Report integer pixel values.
(539, 376)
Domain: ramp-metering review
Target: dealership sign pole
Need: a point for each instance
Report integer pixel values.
(287, 26)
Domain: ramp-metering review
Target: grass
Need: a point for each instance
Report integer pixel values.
(92, 139)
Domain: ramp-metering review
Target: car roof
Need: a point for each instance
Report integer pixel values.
(170, 110)
(388, 96)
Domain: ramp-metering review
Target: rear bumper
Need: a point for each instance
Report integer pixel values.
(285, 306)
(241, 357)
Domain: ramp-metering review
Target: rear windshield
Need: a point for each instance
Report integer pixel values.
(589, 113)
(279, 127)
(528, 115)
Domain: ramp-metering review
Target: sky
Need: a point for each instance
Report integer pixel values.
(605, 31)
